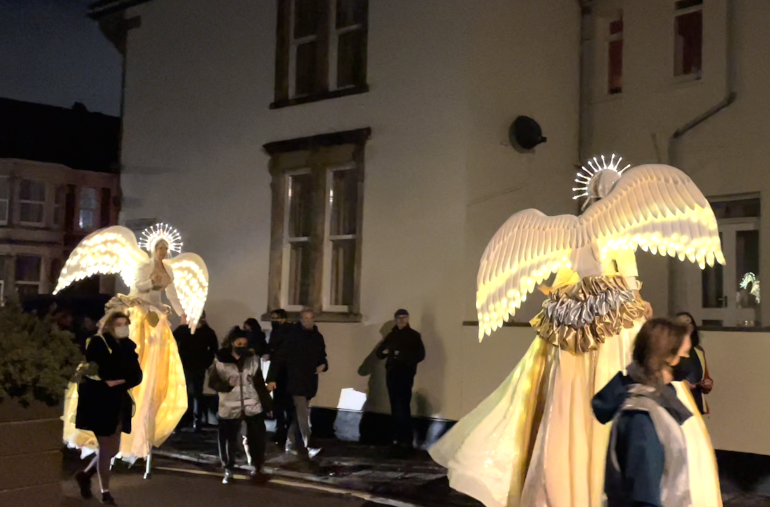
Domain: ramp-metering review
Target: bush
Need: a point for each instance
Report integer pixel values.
(37, 359)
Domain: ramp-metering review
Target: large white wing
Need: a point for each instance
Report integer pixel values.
(658, 208)
(113, 250)
(524, 252)
(655, 207)
(191, 281)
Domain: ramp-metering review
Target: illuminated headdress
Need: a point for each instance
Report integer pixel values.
(161, 232)
(598, 180)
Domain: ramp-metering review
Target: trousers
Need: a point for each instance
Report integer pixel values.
(229, 430)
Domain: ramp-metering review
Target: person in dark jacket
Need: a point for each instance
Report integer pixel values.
(647, 459)
(243, 397)
(197, 354)
(105, 406)
(404, 350)
(302, 359)
(282, 402)
(694, 369)
(257, 340)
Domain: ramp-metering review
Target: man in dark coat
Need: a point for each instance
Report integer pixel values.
(302, 358)
(197, 354)
(403, 349)
(281, 397)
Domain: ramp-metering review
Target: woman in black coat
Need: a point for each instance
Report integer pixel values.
(105, 406)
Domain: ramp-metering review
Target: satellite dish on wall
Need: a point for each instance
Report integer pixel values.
(525, 133)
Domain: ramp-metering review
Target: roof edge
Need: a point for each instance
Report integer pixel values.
(102, 8)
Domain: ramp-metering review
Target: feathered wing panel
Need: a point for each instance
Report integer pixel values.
(191, 280)
(113, 250)
(658, 208)
(524, 252)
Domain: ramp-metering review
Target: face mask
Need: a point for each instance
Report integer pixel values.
(240, 350)
(276, 324)
(121, 332)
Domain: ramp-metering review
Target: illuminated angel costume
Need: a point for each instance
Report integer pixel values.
(534, 442)
(161, 398)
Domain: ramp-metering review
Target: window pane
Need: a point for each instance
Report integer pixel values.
(32, 191)
(26, 291)
(32, 213)
(28, 268)
(299, 274)
(350, 12)
(689, 38)
(300, 205)
(350, 59)
(88, 198)
(306, 68)
(743, 208)
(5, 188)
(4, 261)
(713, 290)
(344, 199)
(747, 268)
(86, 219)
(306, 17)
(343, 272)
(616, 66)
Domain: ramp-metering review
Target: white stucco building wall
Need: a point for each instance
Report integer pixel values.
(446, 81)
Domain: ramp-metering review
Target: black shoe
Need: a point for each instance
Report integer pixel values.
(107, 499)
(259, 477)
(84, 481)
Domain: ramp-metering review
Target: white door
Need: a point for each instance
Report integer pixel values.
(721, 300)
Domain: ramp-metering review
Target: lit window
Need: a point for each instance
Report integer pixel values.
(688, 33)
(32, 202)
(5, 199)
(615, 56)
(89, 209)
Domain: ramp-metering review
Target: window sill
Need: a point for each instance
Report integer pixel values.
(278, 104)
(735, 329)
(323, 317)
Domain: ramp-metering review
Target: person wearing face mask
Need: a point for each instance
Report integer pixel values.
(282, 402)
(197, 354)
(105, 406)
(694, 369)
(243, 397)
(647, 458)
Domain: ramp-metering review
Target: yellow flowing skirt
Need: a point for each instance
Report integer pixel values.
(161, 398)
(534, 442)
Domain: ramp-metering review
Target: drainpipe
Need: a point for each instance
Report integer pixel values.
(584, 83)
(730, 94)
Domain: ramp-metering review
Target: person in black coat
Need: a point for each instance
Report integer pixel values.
(197, 354)
(105, 406)
(257, 340)
(301, 359)
(281, 397)
(694, 369)
(404, 350)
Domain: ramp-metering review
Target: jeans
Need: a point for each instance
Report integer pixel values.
(299, 431)
(229, 430)
(196, 401)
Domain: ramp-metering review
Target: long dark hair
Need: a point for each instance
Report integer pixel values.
(694, 336)
(657, 341)
(253, 325)
(235, 333)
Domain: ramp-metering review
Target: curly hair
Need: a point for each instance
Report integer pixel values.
(657, 342)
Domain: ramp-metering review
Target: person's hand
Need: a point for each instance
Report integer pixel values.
(270, 414)
(234, 382)
(320, 369)
(183, 322)
(647, 310)
(707, 385)
(266, 357)
(385, 352)
(113, 383)
(271, 386)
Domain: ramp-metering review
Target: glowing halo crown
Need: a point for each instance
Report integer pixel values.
(158, 232)
(586, 176)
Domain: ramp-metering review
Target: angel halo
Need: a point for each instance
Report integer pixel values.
(161, 232)
(597, 179)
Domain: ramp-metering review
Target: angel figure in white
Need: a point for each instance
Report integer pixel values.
(534, 442)
(161, 398)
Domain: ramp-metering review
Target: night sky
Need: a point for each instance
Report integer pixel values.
(52, 53)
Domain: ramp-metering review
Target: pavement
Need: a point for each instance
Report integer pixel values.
(354, 473)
